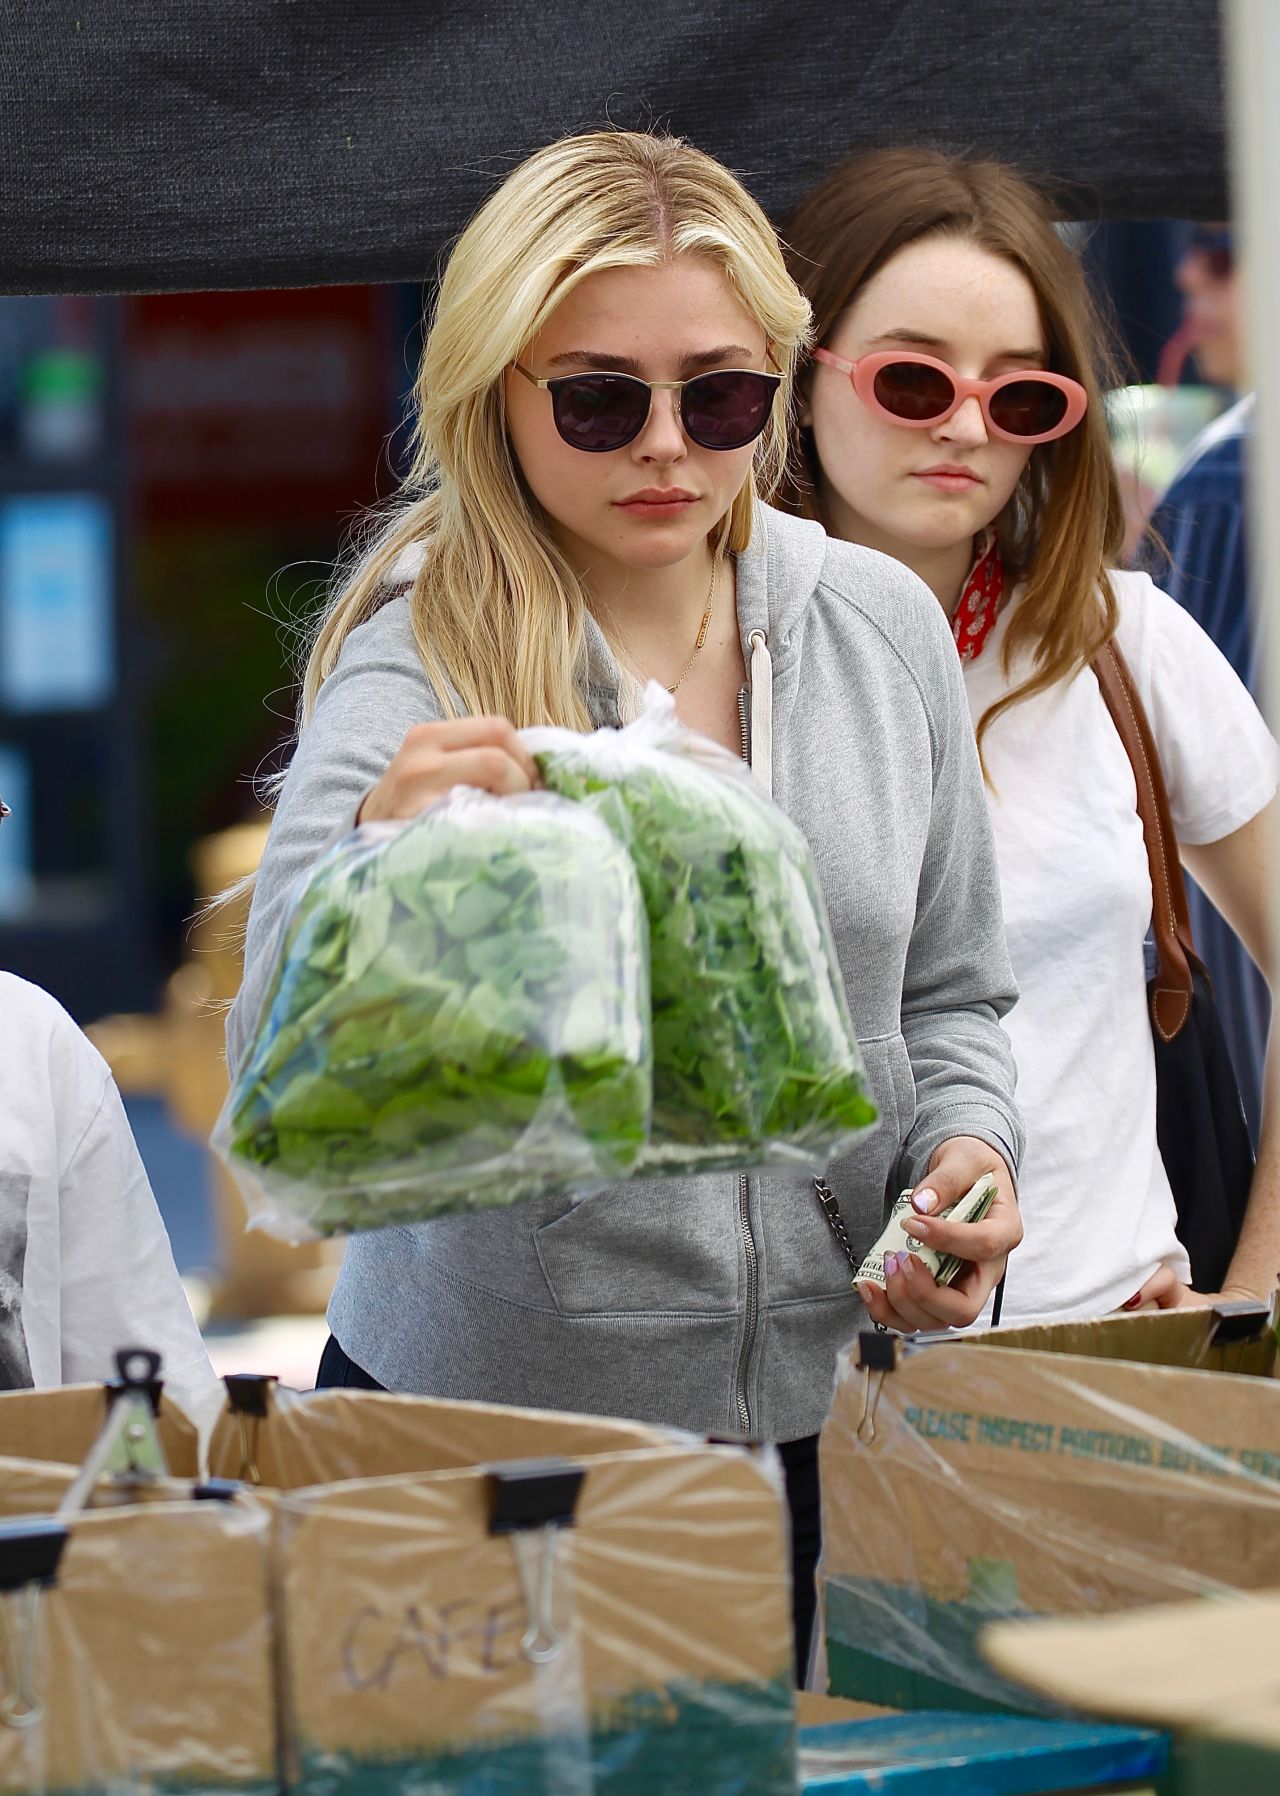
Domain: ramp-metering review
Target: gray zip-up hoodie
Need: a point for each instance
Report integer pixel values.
(717, 1303)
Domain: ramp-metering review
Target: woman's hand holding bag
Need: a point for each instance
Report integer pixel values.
(484, 752)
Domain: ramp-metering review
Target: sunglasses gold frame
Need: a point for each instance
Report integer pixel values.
(549, 384)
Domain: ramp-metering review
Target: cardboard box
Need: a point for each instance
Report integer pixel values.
(60, 1427)
(412, 1631)
(1097, 1467)
(1206, 1670)
(38, 1487)
(639, 1642)
(534, 1602)
(145, 1660)
(286, 1440)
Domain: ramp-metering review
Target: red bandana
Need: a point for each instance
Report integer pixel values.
(975, 615)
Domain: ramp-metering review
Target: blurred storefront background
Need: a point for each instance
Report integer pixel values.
(177, 475)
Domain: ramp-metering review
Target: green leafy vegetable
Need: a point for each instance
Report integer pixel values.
(458, 1018)
(755, 1058)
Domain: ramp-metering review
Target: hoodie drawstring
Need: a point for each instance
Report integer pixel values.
(761, 711)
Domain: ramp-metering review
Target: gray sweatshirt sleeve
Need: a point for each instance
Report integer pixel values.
(373, 697)
(958, 981)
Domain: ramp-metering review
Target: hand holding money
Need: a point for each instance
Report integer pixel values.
(902, 1292)
(894, 1238)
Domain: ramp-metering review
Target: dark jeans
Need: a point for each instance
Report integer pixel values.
(799, 1465)
(337, 1371)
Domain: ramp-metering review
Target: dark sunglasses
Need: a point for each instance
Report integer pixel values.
(726, 409)
(1215, 246)
(4, 810)
(919, 390)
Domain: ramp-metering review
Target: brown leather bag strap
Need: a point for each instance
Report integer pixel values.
(1175, 949)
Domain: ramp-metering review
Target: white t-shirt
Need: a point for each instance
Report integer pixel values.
(1096, 1203)
(85, 1262)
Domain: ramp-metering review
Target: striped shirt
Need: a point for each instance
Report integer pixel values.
(1204, 565)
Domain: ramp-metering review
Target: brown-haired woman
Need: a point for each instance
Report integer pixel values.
(951, 417)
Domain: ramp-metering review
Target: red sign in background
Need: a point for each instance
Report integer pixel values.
(269, 408)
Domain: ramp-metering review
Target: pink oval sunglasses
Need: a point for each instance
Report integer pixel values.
(1028, 406)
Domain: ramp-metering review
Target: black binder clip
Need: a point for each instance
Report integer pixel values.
(30, 1554)
(531, 1501)
(137, 1374)
(248, 1393)
(1240, 1319)
(216, 1490)
(1244, 1324)
(128, 1449)
(249, 1400)
(876, 1355)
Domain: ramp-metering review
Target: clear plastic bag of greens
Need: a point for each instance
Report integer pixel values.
(755, 1059)
(458, 1018)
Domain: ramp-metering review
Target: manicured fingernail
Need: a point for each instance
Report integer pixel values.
(890, 1264)
(924, 1201)
(865, 1288)
(1133, 1302)
(908, 1264)
(917, 1228)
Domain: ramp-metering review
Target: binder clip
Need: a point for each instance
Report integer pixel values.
(128, 1449)
(1244, 1324)
(248, 1398)
(877, 1354)
(30, 1553)
(532, 1500)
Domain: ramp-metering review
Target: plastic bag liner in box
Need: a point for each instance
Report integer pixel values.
(136, 1652)
(616, 1624)
(458, 1018)
(1075, 1469)
(755, 1059)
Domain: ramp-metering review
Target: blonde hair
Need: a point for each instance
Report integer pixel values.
(497, 611)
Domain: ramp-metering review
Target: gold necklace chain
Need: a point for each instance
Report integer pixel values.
(702, 628)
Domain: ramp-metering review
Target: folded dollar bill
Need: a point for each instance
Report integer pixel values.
(972, 1207)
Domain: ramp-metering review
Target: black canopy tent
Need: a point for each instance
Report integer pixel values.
(183, 144)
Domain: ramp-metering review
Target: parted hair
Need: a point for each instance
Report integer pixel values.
(1064, 527)
(497, 611)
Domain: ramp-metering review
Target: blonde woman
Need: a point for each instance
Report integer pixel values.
(951, 416)
(602, 401)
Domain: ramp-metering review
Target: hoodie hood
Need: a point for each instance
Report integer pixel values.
(778, 574)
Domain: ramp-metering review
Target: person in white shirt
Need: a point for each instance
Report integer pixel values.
(951, 416)
(85, 1262)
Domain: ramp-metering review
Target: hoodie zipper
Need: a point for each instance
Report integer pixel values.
(753, 1301)
(744, 1199)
